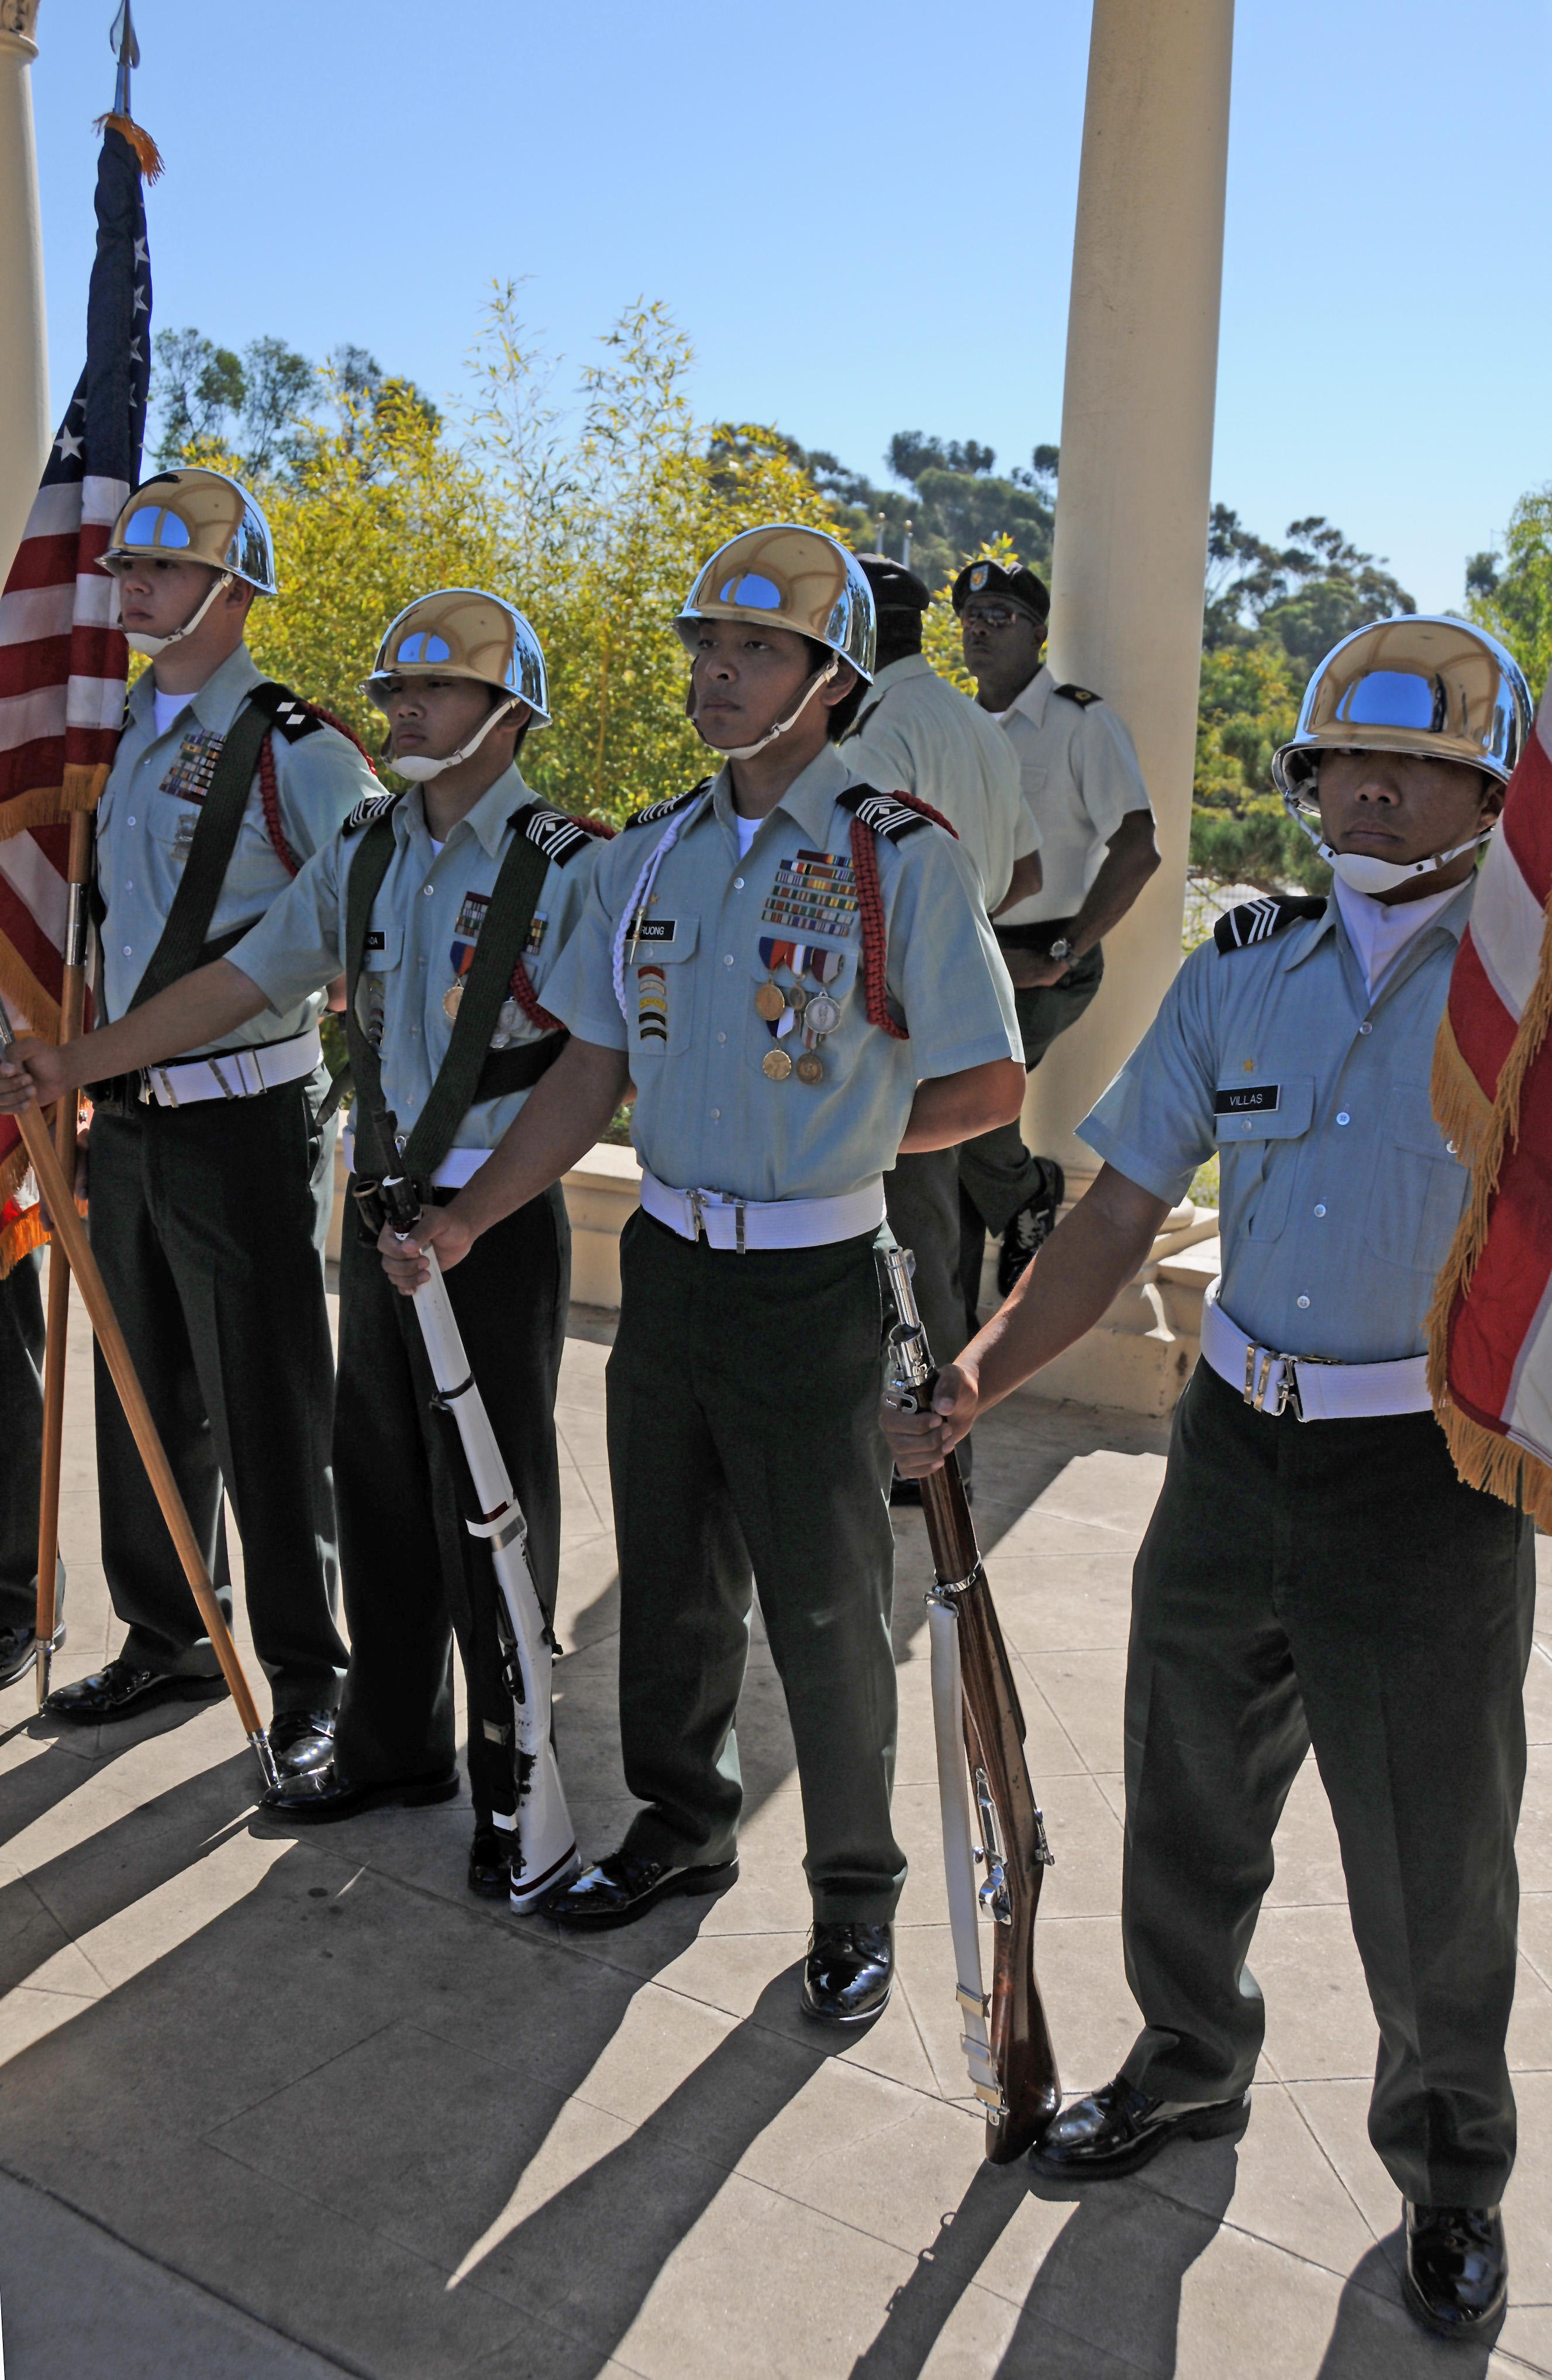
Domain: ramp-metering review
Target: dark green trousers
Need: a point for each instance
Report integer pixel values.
(744, 1450)
(921, 1196)
(208, 1222)
(1334, 1584)
(414, 1578)
(21, 1437)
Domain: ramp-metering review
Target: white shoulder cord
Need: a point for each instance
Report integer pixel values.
(643, 894)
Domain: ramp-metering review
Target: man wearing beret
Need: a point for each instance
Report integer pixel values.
(916, 734)
(1082, 781)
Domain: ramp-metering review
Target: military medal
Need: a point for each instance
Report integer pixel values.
(810, 1067)
(770, 1000)
(471, 917)
(796, 998)
(776, 1066)
(452, 997)
(823, 1013)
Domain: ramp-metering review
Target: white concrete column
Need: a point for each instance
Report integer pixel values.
(25, 421)
(1136, 454)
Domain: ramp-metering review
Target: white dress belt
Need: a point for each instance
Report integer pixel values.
(236, 1073)
(1309, 1386)
(745, 1223)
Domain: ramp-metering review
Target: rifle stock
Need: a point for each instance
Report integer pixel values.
(1014, 1844)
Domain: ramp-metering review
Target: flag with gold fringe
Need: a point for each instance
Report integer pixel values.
(63, 659)
(1490, 1328)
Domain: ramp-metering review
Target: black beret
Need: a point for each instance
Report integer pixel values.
(1020, 587)
(895, 589)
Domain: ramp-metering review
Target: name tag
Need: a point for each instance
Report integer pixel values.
(1255, 1099)
(376, 939)
(655, 930)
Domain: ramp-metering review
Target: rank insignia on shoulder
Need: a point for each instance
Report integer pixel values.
(1082, 695)
(289, 715)
(882, 814)
(371, 806)
(656, 811)
(560, 838)
(1257, 921)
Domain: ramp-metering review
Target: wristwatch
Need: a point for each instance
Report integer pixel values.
(1061, 949)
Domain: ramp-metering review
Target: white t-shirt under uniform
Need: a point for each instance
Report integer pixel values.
(1079, 770)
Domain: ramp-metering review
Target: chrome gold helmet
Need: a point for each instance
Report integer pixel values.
(785, 576)
(1438, 688)
(461, 632)
(195, 515)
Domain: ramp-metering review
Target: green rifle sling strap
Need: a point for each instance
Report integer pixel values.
(502, 935)
(182, 946)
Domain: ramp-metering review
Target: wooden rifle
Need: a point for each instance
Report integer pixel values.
(980, 1724)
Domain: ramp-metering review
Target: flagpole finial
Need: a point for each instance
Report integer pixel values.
(127, 50)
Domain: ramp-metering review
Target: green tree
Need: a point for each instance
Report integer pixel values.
(1511, 595)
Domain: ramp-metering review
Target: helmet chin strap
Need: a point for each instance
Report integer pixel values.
(1362, 872)
(138, 642)
(420, 767)
(747, 751)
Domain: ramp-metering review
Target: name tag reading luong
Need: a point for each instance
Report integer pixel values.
(1255, 1099)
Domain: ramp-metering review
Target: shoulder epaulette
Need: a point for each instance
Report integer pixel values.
(1257, 921)
(370, 807)
(656, 811)
(891, 817)
(1081, 695)
(864, 715)
(288, 714)
(559, 837)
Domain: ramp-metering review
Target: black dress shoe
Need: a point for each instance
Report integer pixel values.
(323, 1794)
(121, 1692)
(19, 1651)
(1456, 2280)
(1118, 2128)
(619, 1889)
(848, 1974)
(489, 1867)
(302, 1740)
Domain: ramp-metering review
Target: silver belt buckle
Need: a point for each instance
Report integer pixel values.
(1258, 1377)
(697, 1213)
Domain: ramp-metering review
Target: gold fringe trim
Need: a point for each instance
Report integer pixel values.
(1485, 1458)
(53, 804)
(19, 1238)
(147, 154)
(20, 986)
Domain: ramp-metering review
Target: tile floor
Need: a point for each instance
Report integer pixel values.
(283, 2104)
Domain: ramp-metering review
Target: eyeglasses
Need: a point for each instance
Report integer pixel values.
(992, 615)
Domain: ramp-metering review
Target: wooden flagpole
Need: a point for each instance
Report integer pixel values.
(72, 1004)
(68, 1229)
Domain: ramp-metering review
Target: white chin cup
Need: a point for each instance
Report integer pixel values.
(747, 751)
(1364, 873)
(420, 767)
(138, 642)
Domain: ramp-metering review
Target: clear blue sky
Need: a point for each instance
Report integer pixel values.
(359, 170)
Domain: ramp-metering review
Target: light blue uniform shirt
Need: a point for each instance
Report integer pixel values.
(150, 806)
(1339, 1196)
(707, 1116)
(425, 919)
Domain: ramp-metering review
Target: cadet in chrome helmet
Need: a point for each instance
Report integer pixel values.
(797, 971)
(184, 539)
(1376, 770)
(437, 652)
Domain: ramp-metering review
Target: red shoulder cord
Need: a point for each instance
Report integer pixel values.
(269, 791)
(522, 990)
(870, 903)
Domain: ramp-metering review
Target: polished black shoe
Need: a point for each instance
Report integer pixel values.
(1032, 1226)
(120, 1692)
(489, 1867)
(323, 1794)
(19, 1651)
(1118, 2128)
(619, 1889)
(848, 1974)
(302, 1740)
(1456, 2280)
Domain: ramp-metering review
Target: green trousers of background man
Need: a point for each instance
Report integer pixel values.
(414, 1577)
(1331, 1583)
(744, 1450)
(208, 1223)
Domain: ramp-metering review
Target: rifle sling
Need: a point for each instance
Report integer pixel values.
(183, 944)
(462, 1076)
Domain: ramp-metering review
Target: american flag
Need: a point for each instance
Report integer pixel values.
(1490, 1332)
(63, 666)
